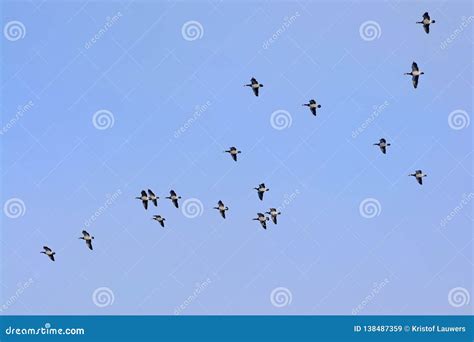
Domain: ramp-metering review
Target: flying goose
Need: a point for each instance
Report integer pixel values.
(152, 197)
(144, 199)
(383, 145)
(254, 85)
(419, 176)
(87, 238)
(312, 106)
(273, 214)
(415, 74)
(261, 190)
(262, 219)
(174, 198)
(222, 208)
(159, 219)
(426, 22)
(233, 152)
(49, 252)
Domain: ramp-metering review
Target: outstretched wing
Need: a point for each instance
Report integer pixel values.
(222, 213)
(175, 202)
(415, 81)
(313, 110)
(89, 244)
(260, 195)
(383, 149)
(414, 67)
(255, 91)
(145, 204)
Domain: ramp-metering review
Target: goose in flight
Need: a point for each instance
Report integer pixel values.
(261, 190)
(49, 252)
(222, 208)
(312, 106)
(152, 197)
(383, 145)
(174, 198)
(159, 219)
(262, 219)
(418, 176)
(233, 152)
(87, 238)
(254, 85)
(415, 74)
(273, 214)
(144, 198)
(426, 22)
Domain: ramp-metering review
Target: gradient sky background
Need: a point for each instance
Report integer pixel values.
(323, 251)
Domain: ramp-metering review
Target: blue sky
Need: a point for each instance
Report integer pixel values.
(131, 62)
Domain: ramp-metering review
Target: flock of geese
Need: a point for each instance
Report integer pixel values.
(262, 218)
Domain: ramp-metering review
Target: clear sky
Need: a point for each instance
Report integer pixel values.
(166, 81)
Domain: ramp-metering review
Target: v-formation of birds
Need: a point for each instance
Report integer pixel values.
(273, 213)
